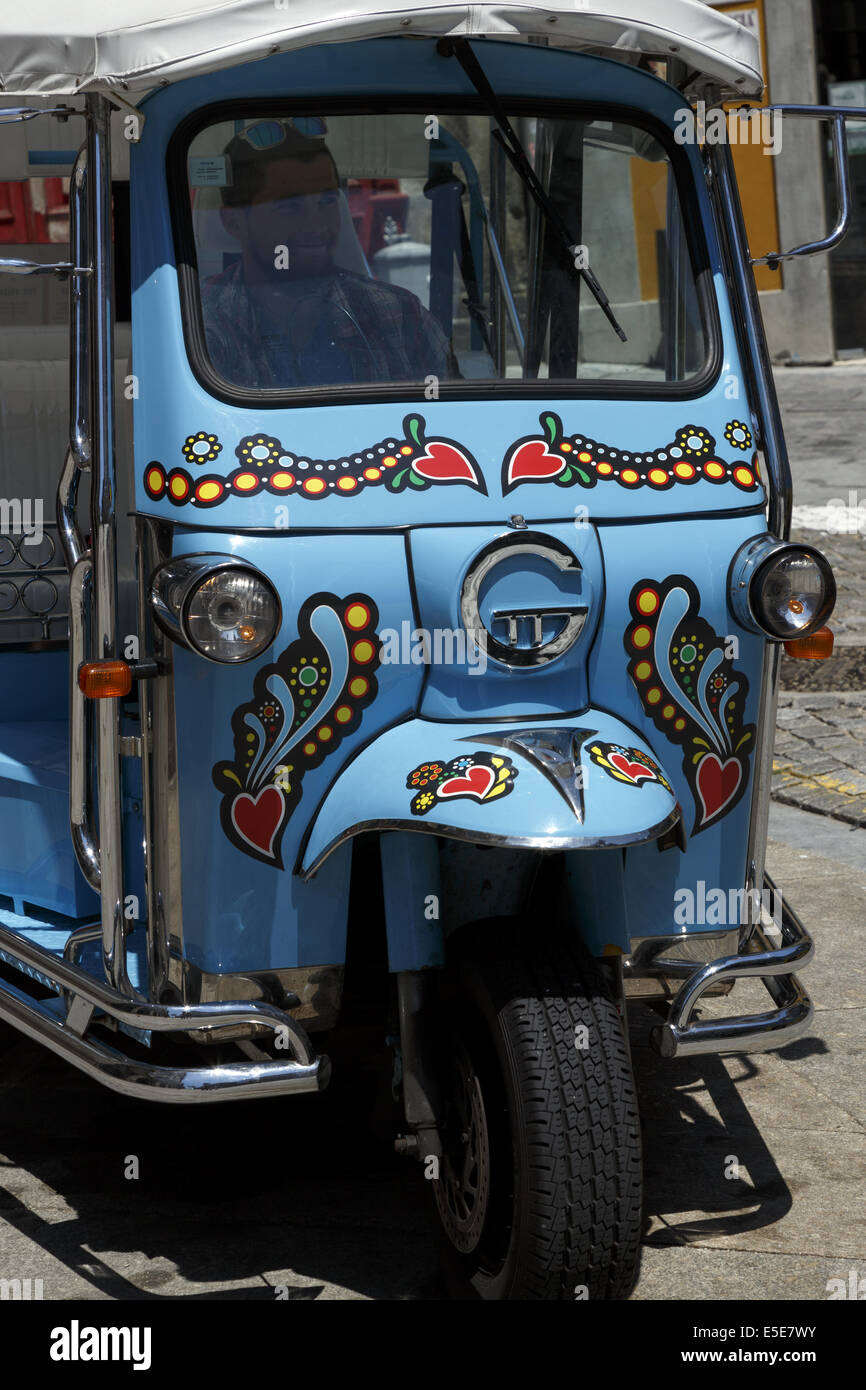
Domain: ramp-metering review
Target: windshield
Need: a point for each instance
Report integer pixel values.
(392, 249)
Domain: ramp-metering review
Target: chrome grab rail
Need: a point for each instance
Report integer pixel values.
(838, 115)
(755, 360)
(11, 266)
(79, 417)
(26, 113)
(81, 819)
(753, 346)
(303, 1071)
(103, 493)
(679, 1037)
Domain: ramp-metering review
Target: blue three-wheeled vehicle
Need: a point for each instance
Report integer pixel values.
(421, 542)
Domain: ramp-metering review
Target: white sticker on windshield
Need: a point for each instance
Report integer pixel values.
(208, 171)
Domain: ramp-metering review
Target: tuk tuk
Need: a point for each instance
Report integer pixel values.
(421, 518)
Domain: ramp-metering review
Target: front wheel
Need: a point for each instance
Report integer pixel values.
(539, 1187)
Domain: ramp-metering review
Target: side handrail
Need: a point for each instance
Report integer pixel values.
(838, 115)
(85, 839)
(10, 266)
(78, 453)
(26, 113)
(81, 819)
(755, 362)
(106, 714)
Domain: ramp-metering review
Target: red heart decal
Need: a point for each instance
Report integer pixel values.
(532, 460)
(717, 783)
(476, 782)
(443, 463)
(633, 771)
(258, 819)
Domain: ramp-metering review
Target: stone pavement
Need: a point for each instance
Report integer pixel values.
(819, 761)
(820, 754)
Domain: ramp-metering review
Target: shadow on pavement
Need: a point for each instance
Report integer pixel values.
(699, 1139)
(306, 1192)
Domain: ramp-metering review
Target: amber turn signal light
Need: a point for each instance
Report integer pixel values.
(817, 647)
(99, 680)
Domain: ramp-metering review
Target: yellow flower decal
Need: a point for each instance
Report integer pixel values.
(201, 447)
(692, 442)
(738, 434)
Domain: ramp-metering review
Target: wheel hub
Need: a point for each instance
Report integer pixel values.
(463, 1190)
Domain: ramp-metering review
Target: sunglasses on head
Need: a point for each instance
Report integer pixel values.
(264, 135)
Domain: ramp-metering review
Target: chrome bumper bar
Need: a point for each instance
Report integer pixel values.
(680, 1037)
(83, 996)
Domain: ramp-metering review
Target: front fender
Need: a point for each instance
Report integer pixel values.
(586, 782)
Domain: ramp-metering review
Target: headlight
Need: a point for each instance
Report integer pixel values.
(218, 606)
(781, 590)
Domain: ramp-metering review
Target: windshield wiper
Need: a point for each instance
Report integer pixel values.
(506, 137)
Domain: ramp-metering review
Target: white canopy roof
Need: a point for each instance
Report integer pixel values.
(64, 47)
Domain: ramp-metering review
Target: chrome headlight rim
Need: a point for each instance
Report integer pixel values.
(174, 585)
(749, 569)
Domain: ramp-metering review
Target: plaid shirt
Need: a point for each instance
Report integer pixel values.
(392, 338)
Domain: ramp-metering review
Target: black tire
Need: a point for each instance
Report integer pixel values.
(539, 1192)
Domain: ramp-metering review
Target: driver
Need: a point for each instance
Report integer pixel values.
(285, 314)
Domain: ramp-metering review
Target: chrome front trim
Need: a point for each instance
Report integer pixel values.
(143, 1081)
(539, 546)
(680, 1037)
(545, 843)
(656, 965)
(302, 1070)
(555, 752)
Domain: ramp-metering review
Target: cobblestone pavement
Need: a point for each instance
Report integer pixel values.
(819, 761)
(820, 755)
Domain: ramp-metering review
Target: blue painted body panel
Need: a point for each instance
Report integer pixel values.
(372, 789)
(37, 861)
(643, 513)
(240, 914)
(457, 690)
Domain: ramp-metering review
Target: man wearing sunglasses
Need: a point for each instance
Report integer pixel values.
(286, 314)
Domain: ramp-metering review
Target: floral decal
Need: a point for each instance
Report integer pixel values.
(572, 460)
(478, 776)
(303, 705)
(201, 448)
(259, 451)
(691, 691)
(738, 434)
(630, 765)
(264, 464)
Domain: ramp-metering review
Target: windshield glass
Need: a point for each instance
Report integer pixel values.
(396, 248)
